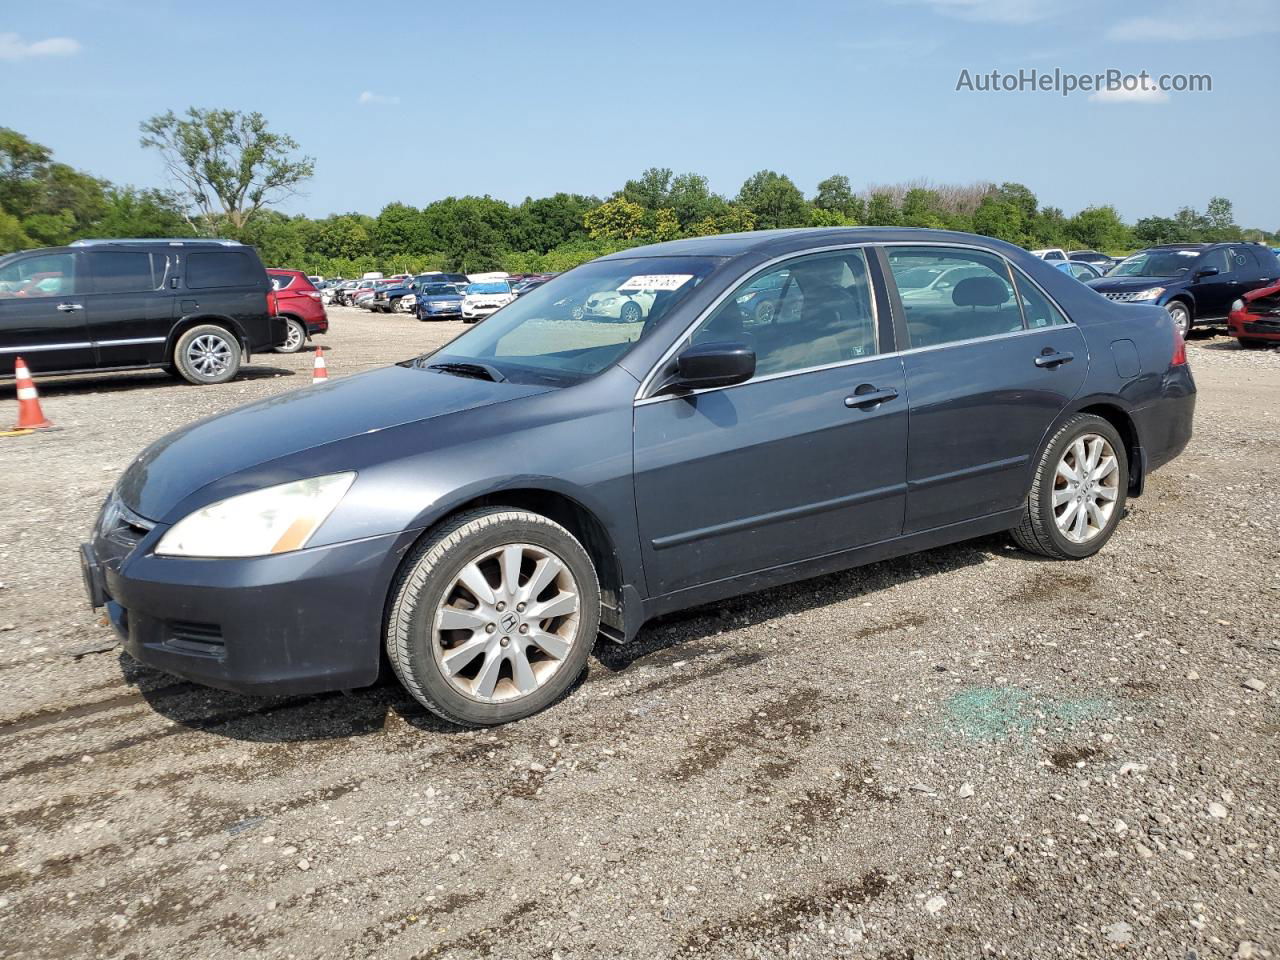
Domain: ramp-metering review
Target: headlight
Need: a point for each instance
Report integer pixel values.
(1238, 305)
(1150, 293)
(273, 520)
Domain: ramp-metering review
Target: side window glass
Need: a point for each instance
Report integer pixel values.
(43, 275)
(809, 312)
(952, 294)
(117, 271)
(1037, 308)
(1215, 258)
(219, 269)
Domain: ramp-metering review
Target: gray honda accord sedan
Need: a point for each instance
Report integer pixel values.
(748, 410)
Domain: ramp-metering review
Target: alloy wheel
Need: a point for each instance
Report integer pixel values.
(293, 341)
(507, 623)
(209, 355)
(1086, 488)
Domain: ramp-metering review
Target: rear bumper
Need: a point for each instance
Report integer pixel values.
(1165, 427)
(302, 622)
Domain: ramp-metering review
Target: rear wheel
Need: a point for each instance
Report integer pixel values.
(1079, 490)
(295, 337)
(1181, 315)
(493, 616)
(207, 354)
(631, 312)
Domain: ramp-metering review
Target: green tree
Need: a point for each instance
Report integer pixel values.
(836, 195)
(1150, 231)
(691, 199)
(774, 199)
(882, 211)
(652, 190)
(1098, 228)
(549, 222)
(616, 221)
(132, 212)
(229, 164)
(922, 207)
(1008, 213)
(12, 236)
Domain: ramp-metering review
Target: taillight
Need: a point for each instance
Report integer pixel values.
(1179, 351)
(272, 306)
(313, 294)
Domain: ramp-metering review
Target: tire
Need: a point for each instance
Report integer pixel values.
(631, 312)
(483, 689)
(1181, 314)
(577, 313)
(297, 336)
(198, 350)
(764, 312)
(1042, 530)
(395, 306)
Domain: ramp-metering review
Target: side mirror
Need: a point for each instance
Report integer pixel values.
(713, 365)
(1206, 272)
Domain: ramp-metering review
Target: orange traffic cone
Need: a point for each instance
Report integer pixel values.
(30, 416)
(319, 372)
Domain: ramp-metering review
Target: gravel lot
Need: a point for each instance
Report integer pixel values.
(967, 752)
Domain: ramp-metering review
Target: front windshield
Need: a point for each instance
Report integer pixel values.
(438, 290)
(573, 327)
(1155, 263)
(495, 287)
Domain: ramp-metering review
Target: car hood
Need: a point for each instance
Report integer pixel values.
(177, 465)
(1126, 284)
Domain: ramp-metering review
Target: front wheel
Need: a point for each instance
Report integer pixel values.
(631, 313)
(493, 616)
(1079, 490)
(207, 354)
(1181, 315)
(295, 338)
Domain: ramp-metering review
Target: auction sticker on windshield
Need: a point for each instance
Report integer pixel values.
(657, 281)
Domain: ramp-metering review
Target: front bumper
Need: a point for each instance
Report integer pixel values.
(302, 622)
(478, 313)
(1253, 327)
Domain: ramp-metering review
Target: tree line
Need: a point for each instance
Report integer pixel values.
(230, 170)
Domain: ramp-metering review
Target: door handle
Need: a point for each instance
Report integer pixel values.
(867, 396)
(1054, 359)
(70, 307)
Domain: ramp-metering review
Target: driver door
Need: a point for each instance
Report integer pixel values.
(42, 314)
(790, 465)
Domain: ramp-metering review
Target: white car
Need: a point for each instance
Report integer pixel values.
(630, 306)
(1050, 254)
(481, 299)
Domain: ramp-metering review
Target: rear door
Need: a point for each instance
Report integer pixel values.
(130, 306)
(988, 370)
(42, 313)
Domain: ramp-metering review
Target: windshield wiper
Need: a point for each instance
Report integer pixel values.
(480, 371)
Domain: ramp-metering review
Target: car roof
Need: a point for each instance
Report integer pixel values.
(783, 241)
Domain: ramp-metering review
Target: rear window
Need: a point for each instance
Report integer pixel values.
(281, 281)
(221, 269)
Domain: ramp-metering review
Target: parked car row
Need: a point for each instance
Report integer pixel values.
(1199, 284)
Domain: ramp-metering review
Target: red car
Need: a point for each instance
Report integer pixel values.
(1255, 317)
(295, 298)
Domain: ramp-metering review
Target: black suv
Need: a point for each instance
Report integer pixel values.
(197, 308)
(1195, 282)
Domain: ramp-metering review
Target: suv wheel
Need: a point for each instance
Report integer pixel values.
(1181, 315)
(493, 616)
(1079, 491)
(295, 338)
(207, 354)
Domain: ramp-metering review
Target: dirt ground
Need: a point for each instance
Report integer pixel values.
(963, 753)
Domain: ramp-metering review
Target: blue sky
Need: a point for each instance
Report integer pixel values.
(415, 101)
